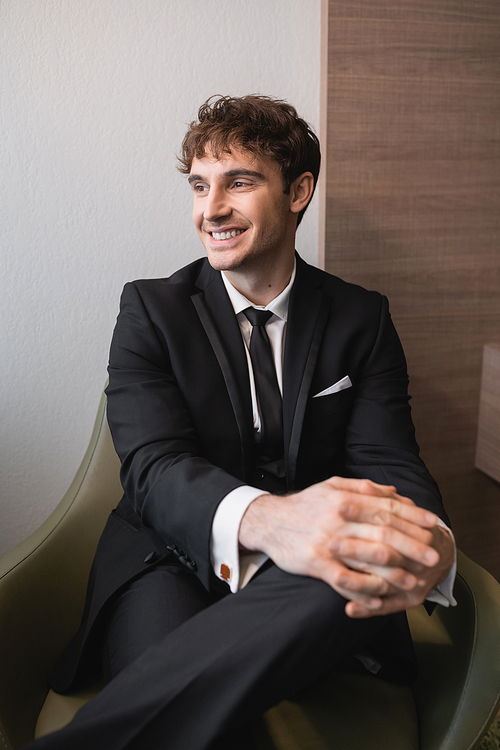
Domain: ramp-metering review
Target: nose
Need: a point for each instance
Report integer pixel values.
(216, 204)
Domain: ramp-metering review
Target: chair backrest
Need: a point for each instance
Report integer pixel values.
(43, 583)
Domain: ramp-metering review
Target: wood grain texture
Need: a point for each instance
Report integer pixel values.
(488, 431)
(413, 210)
(450, 11)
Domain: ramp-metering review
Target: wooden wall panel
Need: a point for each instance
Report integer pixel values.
(413, 210)
(488, 431)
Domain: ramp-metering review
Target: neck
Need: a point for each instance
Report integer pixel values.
(262, 285)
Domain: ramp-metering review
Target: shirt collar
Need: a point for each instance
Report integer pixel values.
(278, 306)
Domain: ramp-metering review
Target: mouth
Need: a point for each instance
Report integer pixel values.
(228, 234)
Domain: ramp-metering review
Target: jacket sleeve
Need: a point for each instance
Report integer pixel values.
(380, 437)
(172, 488)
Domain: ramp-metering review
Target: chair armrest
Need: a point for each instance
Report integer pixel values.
(43, 583)
(458, 690)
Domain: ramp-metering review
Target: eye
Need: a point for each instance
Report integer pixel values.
(199, 187)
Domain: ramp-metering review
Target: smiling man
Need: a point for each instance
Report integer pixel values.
(277, 519)
(245, 220)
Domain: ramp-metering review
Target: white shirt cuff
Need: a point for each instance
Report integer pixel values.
(231, 565)
(443, 593)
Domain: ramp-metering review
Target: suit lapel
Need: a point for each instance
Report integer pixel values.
(307, 315)
(308, 312)
(221, 326)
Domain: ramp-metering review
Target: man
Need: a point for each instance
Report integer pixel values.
(277, 520)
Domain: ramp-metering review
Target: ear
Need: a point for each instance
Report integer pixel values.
(301, 191)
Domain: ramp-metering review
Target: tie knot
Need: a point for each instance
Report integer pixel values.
(257, 317)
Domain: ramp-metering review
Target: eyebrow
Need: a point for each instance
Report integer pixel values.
(231, 173)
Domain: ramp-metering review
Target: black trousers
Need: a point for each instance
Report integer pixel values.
(147, 610)
(188, 667)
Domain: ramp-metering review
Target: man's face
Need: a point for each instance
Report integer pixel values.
(240, 211)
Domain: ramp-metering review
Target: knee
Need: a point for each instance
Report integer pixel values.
(321, 604)
(311, 604)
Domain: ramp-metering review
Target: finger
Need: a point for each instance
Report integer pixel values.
(383, 510)
(389, 606)
(368, 488)
(366, 551)
(377, 559)
(377, 517)
(365, 588)
(357, 611)
(362, 486)
(398, 579)
(392, 537)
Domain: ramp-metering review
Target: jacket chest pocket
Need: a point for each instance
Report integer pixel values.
(330, 403)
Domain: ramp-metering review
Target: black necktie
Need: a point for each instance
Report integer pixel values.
(266, 384)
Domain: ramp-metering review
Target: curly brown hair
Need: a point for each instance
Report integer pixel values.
(266, 127)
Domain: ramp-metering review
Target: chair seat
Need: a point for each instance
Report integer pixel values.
(344, 710)
(58, 710)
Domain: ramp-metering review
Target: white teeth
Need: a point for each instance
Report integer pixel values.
(226, 235)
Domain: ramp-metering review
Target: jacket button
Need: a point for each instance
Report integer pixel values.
(150, 558)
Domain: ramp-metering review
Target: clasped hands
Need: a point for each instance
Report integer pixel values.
(374, 547)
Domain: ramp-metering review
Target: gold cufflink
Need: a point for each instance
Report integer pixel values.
(225, 572)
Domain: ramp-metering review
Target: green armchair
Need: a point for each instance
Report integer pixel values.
(42, 591)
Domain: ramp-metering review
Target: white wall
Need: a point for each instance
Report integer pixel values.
(95, 100)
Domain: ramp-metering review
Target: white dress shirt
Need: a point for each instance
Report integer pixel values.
(231, 564)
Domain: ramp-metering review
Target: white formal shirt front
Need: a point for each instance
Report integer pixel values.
(231, 564)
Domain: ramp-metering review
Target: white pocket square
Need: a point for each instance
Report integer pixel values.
(340, 385)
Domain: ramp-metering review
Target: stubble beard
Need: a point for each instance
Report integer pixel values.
(263, 252)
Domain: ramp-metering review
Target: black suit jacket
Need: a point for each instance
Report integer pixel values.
(179, 409)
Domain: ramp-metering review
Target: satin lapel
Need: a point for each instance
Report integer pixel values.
(307, 315)
(221, 326)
